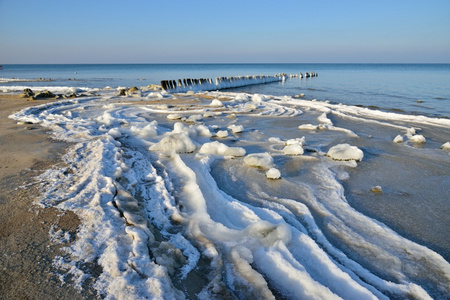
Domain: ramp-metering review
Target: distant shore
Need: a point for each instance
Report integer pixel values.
(26, 250)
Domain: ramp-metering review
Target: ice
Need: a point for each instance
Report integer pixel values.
(259, 160)
(446, 146)
(216, 103)
(293, 149)
(398, 139)
(236, 128)
(273, 173)
(345, 152)
(174, 116)
(174, 143)
(218, 148)
(222, 133)
(417, 139)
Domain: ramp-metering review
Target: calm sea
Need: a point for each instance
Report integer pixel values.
(412, 88)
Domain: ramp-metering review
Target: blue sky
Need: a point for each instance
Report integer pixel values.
(173, 31)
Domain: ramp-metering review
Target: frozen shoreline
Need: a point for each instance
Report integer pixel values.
(187, 189)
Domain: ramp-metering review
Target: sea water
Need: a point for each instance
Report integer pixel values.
(413, 88)
(197, 196)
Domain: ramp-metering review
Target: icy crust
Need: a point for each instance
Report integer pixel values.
(152, 213)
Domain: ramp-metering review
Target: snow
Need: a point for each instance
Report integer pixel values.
(345, 152)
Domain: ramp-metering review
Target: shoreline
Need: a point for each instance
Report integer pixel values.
(27, 252)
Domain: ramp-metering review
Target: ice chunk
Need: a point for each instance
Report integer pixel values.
(294, 149)
(301, 141)
(174, 143)
(236, 128)
(398, 139)
(216, 103)
(417, 139)
(273, 173)
(194, 119)
(258, 98)
(218, 148)
(209, 114)
(345, 152)
(174, 116)
(115, 133)
(446, 146)
(222, 133)
(259, 160)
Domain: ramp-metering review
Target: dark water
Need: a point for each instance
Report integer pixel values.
(412, 88)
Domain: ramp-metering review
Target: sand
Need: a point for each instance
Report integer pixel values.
(26, 251)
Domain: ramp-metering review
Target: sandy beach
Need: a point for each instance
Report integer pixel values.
(26, 251)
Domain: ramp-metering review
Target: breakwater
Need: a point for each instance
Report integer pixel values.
(209, 84)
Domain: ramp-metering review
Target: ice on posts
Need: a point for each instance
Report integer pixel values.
(345, 152)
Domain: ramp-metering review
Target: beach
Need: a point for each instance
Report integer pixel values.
(27, 253)
(221, 194)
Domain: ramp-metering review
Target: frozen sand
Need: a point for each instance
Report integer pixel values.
(26, 252)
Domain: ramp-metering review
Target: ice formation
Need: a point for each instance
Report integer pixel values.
(273, 173)
(446, 146)
(259, 160)
(345, 152)
(417, 139)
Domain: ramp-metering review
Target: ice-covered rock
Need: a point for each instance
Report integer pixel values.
(194, 119)
(446, 146)
(293, 149)
(174, 143)
(345, 152)
(218, 148)
(222, 133)
(398, 139)
(236, 128)
(417, 139)
(273, 173)
(174, 116)
(259, 160)
(216, 103)
(376, 189)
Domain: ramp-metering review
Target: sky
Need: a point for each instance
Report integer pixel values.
(175, 31)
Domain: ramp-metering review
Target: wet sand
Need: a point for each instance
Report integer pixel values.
(26, 251)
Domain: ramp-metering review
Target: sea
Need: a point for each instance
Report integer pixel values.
(330, 187)
(385, 86)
